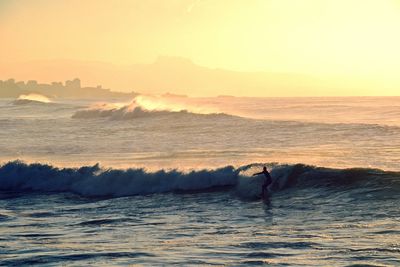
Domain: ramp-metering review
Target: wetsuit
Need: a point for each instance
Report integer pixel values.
(267, 181)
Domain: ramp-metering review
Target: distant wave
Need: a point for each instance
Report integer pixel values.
(125, 113)
(93, 181)
(143, 106)
(31, 99)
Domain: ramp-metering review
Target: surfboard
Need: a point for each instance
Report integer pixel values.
(266, 196)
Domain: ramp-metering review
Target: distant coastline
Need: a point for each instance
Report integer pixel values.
(71, 89)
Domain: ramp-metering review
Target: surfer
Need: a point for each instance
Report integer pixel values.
(267, 181)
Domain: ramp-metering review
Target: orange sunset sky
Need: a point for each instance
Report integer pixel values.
(349, 44)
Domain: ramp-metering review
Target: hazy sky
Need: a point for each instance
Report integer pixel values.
(356, 37)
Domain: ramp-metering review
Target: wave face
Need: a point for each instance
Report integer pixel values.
(142, 106)
(93, 181)
(28, 102)
(127, 112)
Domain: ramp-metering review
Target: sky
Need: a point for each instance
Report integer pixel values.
(355, 38)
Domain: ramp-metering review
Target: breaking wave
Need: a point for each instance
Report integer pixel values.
(31, 99)
(128, 113)
(143, 106)
(94, 181)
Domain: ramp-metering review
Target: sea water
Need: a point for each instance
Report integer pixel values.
(168, 181)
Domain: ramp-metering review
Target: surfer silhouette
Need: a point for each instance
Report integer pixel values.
(267, 181)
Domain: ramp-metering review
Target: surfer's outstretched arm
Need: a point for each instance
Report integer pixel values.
(258, 173)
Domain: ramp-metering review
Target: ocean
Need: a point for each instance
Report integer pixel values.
(167, 180)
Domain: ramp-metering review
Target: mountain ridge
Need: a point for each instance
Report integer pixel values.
(168, 74)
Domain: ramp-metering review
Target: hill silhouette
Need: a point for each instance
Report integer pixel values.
(167, 74)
